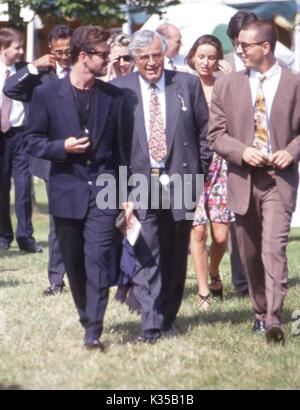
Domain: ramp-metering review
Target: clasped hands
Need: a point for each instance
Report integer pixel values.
(280, 159)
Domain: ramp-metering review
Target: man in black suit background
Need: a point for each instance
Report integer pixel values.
(168, 137)
(13, 160)
(78, 124)
(51, 66)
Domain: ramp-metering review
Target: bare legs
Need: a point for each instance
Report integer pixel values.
(219, 234)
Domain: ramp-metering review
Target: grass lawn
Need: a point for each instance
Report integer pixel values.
(40, 338)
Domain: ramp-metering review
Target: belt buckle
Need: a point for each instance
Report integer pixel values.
(155, 172)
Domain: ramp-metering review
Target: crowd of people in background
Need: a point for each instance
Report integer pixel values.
(97, 101)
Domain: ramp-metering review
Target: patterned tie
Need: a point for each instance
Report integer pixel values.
(261, 134)
(5, 109)
(157, 143)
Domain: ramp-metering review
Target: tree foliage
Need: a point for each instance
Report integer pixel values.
(87, 11)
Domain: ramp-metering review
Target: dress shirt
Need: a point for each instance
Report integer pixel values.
(17, 115)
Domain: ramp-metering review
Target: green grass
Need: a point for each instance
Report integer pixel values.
(40, 338)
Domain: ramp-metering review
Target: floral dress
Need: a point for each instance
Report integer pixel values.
(212, 205)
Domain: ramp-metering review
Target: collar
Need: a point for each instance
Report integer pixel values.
(160, 84)
(268, 74)
(4, 68)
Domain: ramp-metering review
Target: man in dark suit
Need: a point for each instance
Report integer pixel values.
(254, 124)
(78, 124)
(13, 160)
(169, 137)
(56, 64)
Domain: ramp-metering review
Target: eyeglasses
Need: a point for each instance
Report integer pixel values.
(60, 53)
(247, 46)
(145, 58)
(126, 58)
(102, 54)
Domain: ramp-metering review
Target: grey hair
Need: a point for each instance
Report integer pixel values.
(143, 39)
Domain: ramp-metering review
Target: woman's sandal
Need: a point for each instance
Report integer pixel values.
(204, 302)
(216, 292)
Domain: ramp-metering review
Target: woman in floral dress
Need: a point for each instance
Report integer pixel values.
(206, 57)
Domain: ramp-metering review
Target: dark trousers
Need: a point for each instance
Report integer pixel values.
(263, 236)
(161, 264)
(86, 248)
(238, 275)
(14, 164)
(56, 268)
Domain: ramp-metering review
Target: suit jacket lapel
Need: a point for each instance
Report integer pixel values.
(244, 112)
(68, 107)
(173, 108)
(139, 118)
(275, 114)
(99, 112)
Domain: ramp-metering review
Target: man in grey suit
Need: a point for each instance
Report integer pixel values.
(255, 125)
(168, 137)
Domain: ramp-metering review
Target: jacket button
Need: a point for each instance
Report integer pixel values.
(90, 183)
(88, 163)
(184, 165)
(185, 144)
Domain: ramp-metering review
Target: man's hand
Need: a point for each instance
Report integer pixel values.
(255, 158)
(128, 211)
(281, 159)
(47, 60)
(77, 145)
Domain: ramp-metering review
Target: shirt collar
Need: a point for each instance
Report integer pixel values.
(268, 74)
(160, 84)
(59, 69)
(4, 68)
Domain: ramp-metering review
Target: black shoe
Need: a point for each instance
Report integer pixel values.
(31, 247)
(259, 326)
(242, 294)
(94, 345)
(53, 290)
(149, 336)
(274, 334)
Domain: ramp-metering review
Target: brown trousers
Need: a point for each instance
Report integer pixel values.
(262, 235)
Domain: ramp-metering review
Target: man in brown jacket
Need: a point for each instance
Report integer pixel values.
(255, 125)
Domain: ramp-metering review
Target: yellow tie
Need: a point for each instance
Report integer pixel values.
(261, 134)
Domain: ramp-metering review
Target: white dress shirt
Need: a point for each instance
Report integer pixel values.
(269, 86)
(146, 96)
(17, 115)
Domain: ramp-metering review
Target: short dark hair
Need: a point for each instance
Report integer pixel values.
(59, 32)
(206, 39)
(265, 32)
(8, 35)
(86, 38)
(237, 22)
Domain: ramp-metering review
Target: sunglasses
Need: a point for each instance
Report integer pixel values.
(126, 58)
(101, 54)
(61, 53)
